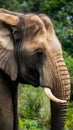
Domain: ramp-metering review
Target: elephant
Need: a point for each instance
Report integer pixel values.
(30, 53)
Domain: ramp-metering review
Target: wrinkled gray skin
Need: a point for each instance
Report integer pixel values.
(30, 53)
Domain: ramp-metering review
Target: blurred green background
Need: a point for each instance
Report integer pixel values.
(34, 106)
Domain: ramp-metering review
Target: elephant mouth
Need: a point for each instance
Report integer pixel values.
(31, 77)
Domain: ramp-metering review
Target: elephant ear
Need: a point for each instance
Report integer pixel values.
(7, 58)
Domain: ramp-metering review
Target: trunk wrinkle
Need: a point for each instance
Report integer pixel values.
(62, 91)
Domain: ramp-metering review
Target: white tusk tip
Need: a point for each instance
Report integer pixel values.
(49, 93)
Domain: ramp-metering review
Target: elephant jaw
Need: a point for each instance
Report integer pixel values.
(49, 93)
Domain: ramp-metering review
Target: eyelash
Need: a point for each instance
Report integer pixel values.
(39, 52)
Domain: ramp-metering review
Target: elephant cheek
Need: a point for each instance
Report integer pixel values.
(46, 75)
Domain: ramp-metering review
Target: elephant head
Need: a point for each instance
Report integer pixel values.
(43, 64)
(31, 52)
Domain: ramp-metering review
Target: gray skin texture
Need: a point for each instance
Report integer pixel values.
(32, 55)
(8, 103)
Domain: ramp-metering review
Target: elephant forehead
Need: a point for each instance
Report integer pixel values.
(37, 35)
(53, 45)
(31, 18)
(35, 43)
(33, 26)
(5, 40)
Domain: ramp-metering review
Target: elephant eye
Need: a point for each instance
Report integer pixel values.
(39, 56)
(39, 52)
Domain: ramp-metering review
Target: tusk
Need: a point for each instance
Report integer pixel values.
(49, 93)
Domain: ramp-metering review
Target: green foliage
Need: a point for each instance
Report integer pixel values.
(69, 62)
(28, 124)
(34, 109)
(69, 120)
(13, 5)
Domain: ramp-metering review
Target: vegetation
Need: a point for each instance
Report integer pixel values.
(34, 110)
(34, 106)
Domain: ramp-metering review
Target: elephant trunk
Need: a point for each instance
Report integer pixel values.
(58, 116)
(62, 91)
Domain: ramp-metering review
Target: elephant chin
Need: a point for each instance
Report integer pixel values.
(49, 93)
